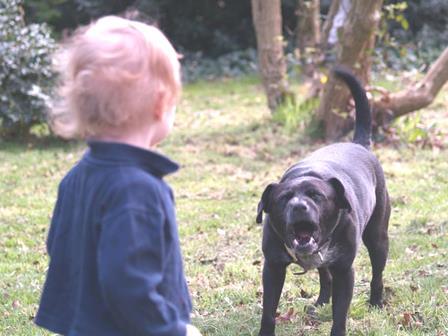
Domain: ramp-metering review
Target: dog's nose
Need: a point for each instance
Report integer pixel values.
(302, 206)
(299, 205)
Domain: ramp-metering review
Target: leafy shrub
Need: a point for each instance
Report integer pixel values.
(414, 130)
(413, 34)
(25, 69)
(296, 115)
(214, 28)
(195, 66)
(60, 15)
(432, 13)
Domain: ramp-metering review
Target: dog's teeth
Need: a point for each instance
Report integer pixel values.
(295, 243)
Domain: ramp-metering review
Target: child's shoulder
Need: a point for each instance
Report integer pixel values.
(133, 178)
(111, 179)
(138, 190)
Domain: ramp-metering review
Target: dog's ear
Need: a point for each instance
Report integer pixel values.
(264, 203)
(341, 199)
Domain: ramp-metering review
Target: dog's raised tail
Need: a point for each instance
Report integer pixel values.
(363, 117)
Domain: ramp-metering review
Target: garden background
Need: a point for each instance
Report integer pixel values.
(230, 145)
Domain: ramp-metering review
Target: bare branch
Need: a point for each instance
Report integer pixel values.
(419, 95)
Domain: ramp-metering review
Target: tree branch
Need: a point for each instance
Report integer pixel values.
(415, 97)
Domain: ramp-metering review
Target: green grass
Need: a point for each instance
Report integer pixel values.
(230, 149)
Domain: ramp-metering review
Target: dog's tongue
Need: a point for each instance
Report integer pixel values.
(303, 238)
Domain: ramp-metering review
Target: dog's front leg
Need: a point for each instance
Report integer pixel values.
(273, 280)
(343, 280)
(325, 286)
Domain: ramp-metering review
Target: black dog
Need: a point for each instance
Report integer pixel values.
(319, 212)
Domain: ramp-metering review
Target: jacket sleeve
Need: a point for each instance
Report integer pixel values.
(130, 267)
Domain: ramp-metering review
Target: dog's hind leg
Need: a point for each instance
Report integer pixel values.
(325, 286)
(376, 239)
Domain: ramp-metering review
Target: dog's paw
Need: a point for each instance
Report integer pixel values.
(320, 302)
(376, 301)
(376, 304)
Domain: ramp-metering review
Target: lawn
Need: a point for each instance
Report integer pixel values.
(229, 149)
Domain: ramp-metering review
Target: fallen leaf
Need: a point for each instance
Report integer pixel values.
(287, 317)
(305, 294)
(412, 320)
(407, 318)
(424, 273)
(414, 288)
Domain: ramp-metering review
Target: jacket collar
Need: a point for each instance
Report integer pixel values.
(120, 153)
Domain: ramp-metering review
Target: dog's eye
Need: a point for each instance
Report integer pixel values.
(315, 196)
(286, 195)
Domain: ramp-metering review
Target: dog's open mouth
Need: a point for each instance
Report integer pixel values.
(303, 239)
(304, 242)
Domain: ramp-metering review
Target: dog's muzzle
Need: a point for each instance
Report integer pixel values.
(302, 227)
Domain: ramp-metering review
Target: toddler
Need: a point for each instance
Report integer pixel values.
(115, 263)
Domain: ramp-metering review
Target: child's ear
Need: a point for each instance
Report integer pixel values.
(160, 105)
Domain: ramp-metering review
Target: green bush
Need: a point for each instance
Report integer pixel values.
(413, 33)
(213, 28)
(26, 75)
(196, 66)
(296, 114)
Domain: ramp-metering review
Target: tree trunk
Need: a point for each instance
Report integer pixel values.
(308, 34)
(268, 28)
(329, 23)
(415, 97)
(354, 50)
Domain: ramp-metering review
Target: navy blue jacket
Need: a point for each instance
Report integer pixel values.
(115, 263)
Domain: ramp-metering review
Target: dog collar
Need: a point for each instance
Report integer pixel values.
(291, 253)
(328, 238)
(294, 257)
(287, 248)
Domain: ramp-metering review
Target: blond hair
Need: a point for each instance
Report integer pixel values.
(112, 71)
